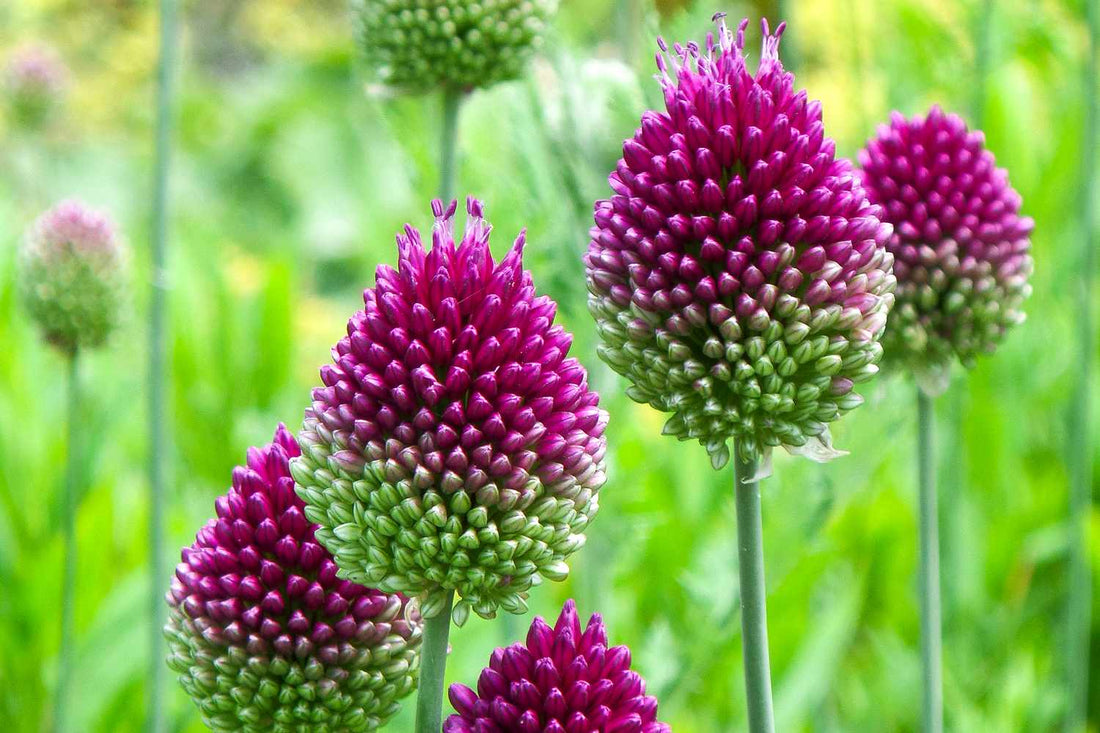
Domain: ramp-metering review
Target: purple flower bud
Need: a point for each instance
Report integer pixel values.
(961, 249)
(739, 268)
(258, 642)
(72, 276)
(34, 81)
(453, 446)
(563, 679)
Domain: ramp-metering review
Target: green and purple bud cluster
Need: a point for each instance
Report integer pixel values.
(73, 276)
(454, 446)
(961, 248)
(34, 81)
(423, 45)
(739, 275)
(264, 635)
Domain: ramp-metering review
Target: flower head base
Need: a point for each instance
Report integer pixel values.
(34, 79)
(562, 680)
(739, 276)
(960, 246)
(72, 272)
(264, 635)
(453, 445)
(422, 45)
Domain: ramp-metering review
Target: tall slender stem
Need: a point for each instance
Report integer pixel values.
(754, 612)
(930, 642)
(452, 100)
(433, 663)
(1079, 616)
(158, 427)
(68, 533)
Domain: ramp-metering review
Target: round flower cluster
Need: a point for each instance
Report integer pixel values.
(739, 276)
(562, 680)
(35, 79)
(263, 634)
(453, 446)
(422, 45)
(960, 246)
(72, 276)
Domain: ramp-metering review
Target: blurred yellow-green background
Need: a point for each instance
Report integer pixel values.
(292, 176)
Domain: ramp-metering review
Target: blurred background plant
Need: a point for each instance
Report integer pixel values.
(291, 181)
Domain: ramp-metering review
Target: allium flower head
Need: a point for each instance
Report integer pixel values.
(422, 45)
(738, 276)
(34, 79)
(72, 276)
(563, 680)
(264, 635)
(960, 246)
(453, 445)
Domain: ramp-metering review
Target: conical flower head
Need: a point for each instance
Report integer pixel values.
(34, 82)
(423, 45)
(72, 276)
(264, 635)
(739, 276)
(563, 680)
(960, 246)
(453, 446)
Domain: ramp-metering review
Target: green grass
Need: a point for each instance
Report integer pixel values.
(289, 186)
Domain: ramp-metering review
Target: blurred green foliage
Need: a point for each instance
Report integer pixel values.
(292, 178)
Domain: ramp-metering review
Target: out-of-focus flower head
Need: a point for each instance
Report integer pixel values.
(35, 80)
(423, 45)
(264, 635)
(739, 276)
(961, 248)
(453, 446)
(72, 276)
(563, 680)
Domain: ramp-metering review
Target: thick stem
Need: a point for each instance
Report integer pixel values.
(930, 641)
(158, 424)
(1079, 616)
(68, 533)
(433, 663)
(448, 153)
(754, 613)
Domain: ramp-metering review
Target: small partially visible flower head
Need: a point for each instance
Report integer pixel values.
(453, 446)
(423, 45)
(563, 680)
(263, 634)
(960, 246)
(34, 81)
(72, 276)
(739, 276)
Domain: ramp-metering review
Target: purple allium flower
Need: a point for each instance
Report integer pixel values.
(453, 445)
(562, 680)
(263, 633)
(739, 276)
(960, 246)
(72, 276)
(34, 79)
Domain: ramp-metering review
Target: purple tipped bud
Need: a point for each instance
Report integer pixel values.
(34, 81)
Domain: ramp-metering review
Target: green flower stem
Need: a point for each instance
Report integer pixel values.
(930, 642)
(452, 101)
(1079, 615)
(158, 438)
(754, 613)
(68, 532)
(433, 663)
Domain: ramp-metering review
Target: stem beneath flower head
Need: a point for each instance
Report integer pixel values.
(433, 663)
(68, 534)
(452, 100)
(1079, 616)
(158, 439)
(930, 635)
(754, 613)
